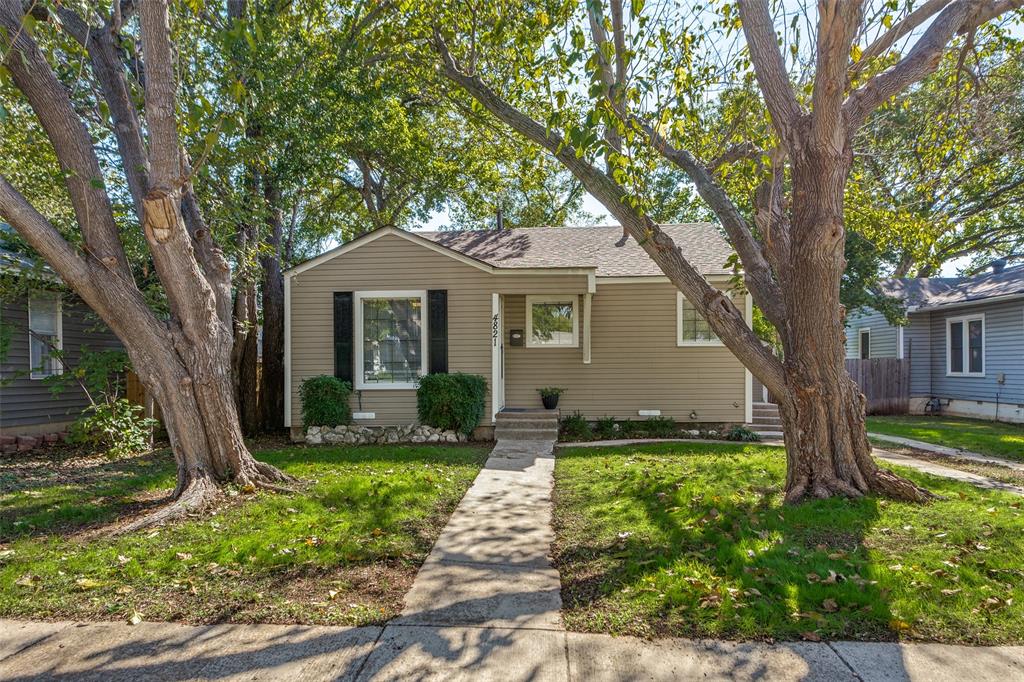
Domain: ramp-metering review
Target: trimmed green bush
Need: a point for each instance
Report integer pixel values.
(325, 401)
(606, 428)
(743, 434)
(576, 427)
(660, 427)
(451, 401)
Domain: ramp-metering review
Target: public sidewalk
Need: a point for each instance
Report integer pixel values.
(485, 606)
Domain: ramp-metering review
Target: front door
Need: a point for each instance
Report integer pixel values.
(497, 355)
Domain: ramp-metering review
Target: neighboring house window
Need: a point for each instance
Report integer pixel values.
(391, 342)
(552, 322)
(864, 343)
(45, 334)
(965, 344)
(691, 328)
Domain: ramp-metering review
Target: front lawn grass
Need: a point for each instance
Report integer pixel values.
(692, 540)
(997, 439)
(343, 550)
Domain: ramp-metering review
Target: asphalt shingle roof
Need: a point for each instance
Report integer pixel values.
(929, 292)
(603, 248)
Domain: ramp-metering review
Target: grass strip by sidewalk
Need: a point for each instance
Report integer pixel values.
(342, 551)
(692, 540)
(996, 439)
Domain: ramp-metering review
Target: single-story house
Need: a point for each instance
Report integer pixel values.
(580, 308)
(29, 327)
(964, 340)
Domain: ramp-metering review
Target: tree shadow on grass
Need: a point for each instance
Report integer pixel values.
(722, 558)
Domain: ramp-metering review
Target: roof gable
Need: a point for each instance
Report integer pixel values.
(601, 251)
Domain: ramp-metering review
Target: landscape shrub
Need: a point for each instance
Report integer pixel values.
(116, 426)
(325, 401)
(660, 427)
(606, 428)
(576, 427)
(631, 429)
(743, 434)
(451, 401)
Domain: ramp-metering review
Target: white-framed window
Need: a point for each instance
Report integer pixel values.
(864, 343)
(45, 332)
(965, 346)
(390, 338)
(691, 328)
(552, 321)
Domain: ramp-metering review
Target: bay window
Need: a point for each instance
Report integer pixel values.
(965, 346)
(390, 338)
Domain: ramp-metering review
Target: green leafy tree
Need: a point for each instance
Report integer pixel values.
(616, 93)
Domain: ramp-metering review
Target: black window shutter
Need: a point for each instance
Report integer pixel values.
(343, 334)
(437, 328)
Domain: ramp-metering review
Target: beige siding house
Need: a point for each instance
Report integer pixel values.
(579, 308)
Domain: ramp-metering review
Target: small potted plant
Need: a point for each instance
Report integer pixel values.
(549, 396)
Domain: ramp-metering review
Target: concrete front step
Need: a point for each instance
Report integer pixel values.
(516, 415)
(507, 433)
(767, 421)
(542, 424)
(762, 412)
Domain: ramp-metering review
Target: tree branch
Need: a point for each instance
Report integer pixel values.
(900, 29)
(72, 144)
(837, 24)
(721, 314)
(959, 17)
(769, 67)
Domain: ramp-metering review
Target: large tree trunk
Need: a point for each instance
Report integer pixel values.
(822, 409)
(272, 386)
(185, 359)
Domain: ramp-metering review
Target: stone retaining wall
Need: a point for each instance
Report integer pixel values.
(368, 435)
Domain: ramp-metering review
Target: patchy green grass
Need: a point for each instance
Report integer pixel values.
(692, 540)
(997, 439)
(342, 551)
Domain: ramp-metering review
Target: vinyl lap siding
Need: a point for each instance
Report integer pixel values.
(883, 335)
(29, 402)
(394, 263)
(917, 348)
(635, 362)
(1004, 353)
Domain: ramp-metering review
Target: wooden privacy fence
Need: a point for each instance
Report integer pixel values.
(137, 395)
(885, 382)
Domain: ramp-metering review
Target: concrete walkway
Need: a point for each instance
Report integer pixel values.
(484, 606)
(948, 451)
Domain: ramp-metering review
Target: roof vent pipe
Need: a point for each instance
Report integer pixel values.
(998, 265)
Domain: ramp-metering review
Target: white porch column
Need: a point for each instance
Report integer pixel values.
(587, 302)
(497, 369)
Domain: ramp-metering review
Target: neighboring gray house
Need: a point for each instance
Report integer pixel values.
(964, 339)
(28, 323)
